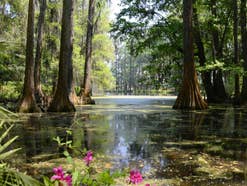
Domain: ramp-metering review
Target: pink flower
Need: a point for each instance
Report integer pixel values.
(88, 158)
(59, 175)
(135, 177)
(68, 180)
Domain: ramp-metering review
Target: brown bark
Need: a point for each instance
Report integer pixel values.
(27, 102)
(244, 49)
(87, 86)
(206, 75)
(73, 97)
(39, 95)
(61, 101)
(236, 48)
(189, 96)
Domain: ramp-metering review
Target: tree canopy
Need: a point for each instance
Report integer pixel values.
(140, 52)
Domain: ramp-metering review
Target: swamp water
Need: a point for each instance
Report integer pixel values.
(170, 147)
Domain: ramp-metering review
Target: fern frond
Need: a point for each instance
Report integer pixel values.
(12, 177)
(5, 133)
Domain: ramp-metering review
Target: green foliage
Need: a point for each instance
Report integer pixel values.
(12, 39)
(12, 177)
(10, 90)
(153, 32)
(103, 50)
(5, 130)
(103, 78)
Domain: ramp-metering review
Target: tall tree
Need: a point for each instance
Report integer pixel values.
(61, 101)
(206, 75)
(87, 86)
(236, 49)
(189, 96)
(217, 52)
(27, 102)
(244, 49)
(37, 85)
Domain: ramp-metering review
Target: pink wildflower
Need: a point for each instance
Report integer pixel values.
(59, 175)
(88, 158)
(135, 177)
(68, 180)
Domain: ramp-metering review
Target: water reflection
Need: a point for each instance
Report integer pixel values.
(151, 137)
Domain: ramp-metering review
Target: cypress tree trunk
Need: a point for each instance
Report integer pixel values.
(27, 102)
(206, 75)
(61, 101)
(236, 53)
(39, 96)
(217, 47)
(244, 49)
(87, 86)
(189, 96)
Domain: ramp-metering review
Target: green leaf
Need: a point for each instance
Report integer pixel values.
(5, 133)
(66, 154)
(47, 181)
(75, 176)
(9, 176)
(6, 155)
(3, 147)
(69, 132)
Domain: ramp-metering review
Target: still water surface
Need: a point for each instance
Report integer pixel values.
(192, 147)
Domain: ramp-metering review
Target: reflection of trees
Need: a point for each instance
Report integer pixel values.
(32, 138)
(197, 119)
(90, 132)
(177, 126)
(239, 123)
(37, 132)
(137, 136)
(80, 132)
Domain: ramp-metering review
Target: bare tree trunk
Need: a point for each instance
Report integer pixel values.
(117, 66)
(244, 49)
(189, 96)
(218, 84)
(87, 86)
(27, 102)
(61, 101)
(39, 96)
(206, 75)
(236, 48)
